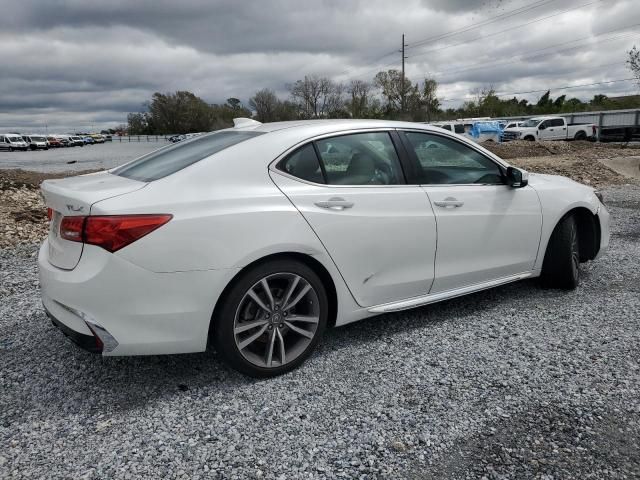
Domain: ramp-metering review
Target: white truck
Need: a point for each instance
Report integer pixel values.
(550, 128)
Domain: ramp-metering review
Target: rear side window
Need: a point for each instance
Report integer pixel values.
(557, 122)
(167, 161)
(360, 159)
(459, 128)
(303, 164)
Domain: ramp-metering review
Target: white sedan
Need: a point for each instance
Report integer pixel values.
(256, 238)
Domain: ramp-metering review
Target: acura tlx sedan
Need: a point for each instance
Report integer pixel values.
(256, 238)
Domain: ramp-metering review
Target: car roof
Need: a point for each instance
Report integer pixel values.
(319, 127)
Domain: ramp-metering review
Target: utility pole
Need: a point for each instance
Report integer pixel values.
(402, 79)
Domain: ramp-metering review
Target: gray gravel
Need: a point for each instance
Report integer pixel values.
(516, 382)
(90, 157)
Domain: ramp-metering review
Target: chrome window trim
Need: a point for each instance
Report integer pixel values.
(272, 166)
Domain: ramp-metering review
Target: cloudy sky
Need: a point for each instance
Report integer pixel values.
(78, 64)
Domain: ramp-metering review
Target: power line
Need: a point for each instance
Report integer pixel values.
(481, 65)
(550, 88)
(505, 30)
(473, 26)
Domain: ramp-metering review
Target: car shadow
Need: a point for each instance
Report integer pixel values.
(123, 383)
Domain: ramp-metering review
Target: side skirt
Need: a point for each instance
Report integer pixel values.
(438, 297)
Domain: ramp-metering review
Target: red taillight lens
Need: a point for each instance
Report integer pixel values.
(49, 213)
(71, 228)
(115, 232)
(111, 232)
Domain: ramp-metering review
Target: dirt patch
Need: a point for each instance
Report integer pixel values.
(584, 162)
(23, 215)
(523, 149)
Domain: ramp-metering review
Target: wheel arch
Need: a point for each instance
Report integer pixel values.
(306, 259)
(588, 231)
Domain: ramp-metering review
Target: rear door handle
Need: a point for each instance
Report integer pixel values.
(335, 203)
(449, 202)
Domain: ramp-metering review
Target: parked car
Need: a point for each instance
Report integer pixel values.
(12, 141)
(36, 142)
(76, 141)
(551, 128)
(108, 138)
(287, 229)
(54, 142)
(176, 138)
(97, 138)
(88, 140)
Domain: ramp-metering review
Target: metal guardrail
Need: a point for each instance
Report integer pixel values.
(140, 138)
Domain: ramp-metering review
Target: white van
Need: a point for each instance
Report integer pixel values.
(36, 141)
(12, 141)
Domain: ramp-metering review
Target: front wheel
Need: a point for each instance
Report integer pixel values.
(271, 319)
(529, 138)
(561, 265)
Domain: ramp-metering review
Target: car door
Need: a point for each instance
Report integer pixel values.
(379, 231)
(486, 229)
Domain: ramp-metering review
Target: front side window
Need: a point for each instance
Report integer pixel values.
(360, 159)
(443, 160)
(166, 161)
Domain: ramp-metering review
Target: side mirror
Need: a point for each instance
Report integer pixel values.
(517, 178)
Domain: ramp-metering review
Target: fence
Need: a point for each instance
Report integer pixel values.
(141, 138)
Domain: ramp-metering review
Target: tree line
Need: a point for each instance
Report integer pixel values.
(389, 95)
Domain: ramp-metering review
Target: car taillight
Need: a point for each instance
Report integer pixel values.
(49, 213)
(111, 232)
(71, 228)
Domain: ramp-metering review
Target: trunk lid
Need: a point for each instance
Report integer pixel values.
(74, 196)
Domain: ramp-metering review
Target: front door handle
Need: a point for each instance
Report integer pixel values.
(449, 202)
(335, 203)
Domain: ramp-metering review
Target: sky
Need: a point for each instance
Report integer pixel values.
(83, 65)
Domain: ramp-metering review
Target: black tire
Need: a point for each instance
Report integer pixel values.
(11, 149)
(561, 265)
(529, 138)
(581, 135)
(222, 334)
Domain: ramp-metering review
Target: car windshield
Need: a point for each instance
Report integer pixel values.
(37, 139)
(14, 139)
(166, 161)
(532, 122)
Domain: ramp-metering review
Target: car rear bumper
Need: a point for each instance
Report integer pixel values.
(132, 310)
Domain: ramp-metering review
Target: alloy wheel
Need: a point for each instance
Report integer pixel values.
(276, 320)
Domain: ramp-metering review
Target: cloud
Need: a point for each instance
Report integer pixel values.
(74, 62)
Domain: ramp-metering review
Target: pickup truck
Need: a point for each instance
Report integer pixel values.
(550, 128)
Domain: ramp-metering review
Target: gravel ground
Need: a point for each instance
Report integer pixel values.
(516, 382)
(91, 157)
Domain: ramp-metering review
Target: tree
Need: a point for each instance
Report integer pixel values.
(265, 103)
(430, 102)
(633, 62)
(391, 86)
(359, 93)
(313, 95)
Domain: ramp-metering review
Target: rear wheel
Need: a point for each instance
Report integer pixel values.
(561, 266)
(529, 138)
(581, 135)
(271, 319)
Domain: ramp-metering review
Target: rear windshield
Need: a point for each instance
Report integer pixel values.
(166, 161)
